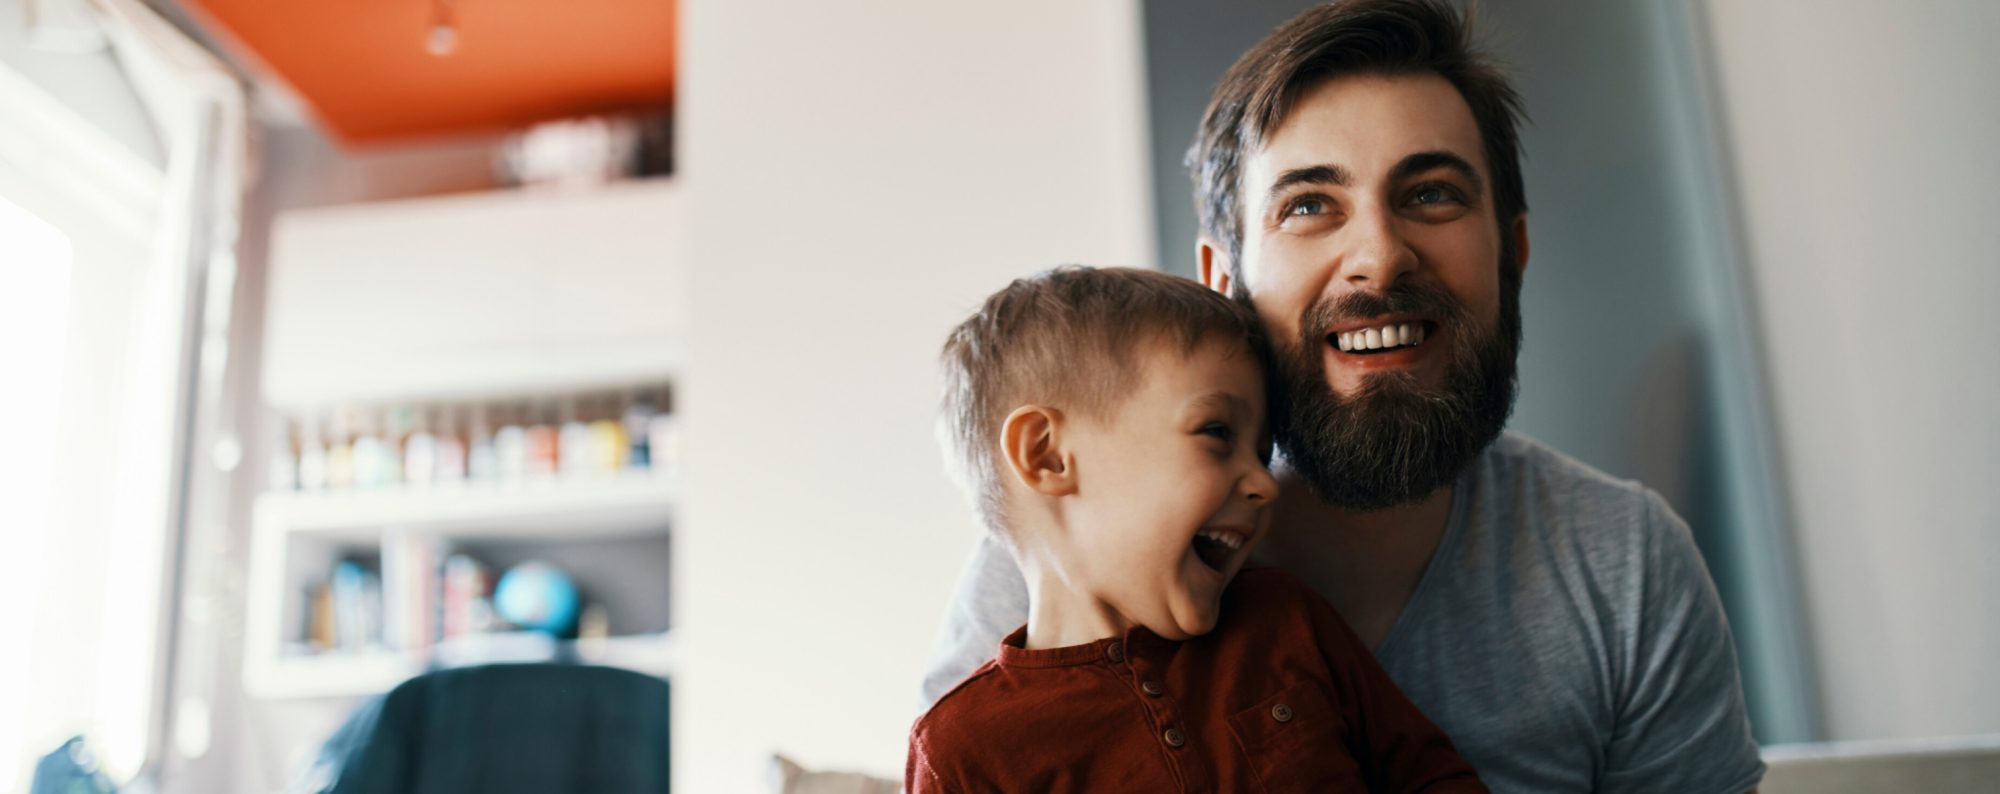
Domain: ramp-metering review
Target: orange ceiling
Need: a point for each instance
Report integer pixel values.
(363, 67)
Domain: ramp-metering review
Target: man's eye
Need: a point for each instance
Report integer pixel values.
(1433, 194)
(1306, 206)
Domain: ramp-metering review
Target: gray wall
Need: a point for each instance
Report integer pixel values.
(1864, 135)
(1637, 356)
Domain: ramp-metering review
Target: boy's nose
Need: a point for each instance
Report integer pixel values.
(1259, 485)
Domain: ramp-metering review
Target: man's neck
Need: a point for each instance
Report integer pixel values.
(1367, 562)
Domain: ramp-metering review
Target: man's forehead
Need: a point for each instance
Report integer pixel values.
(1365, 124)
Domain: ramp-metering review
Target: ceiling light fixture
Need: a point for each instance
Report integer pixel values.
(443, 38)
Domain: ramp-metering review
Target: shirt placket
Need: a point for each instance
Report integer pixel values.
(1145, 676)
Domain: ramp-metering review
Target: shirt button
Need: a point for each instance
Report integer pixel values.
(1151, 688)
(1281, 713)
(1174, 737)
(1114, 652)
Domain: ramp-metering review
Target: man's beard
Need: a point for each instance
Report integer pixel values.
(1395, 441)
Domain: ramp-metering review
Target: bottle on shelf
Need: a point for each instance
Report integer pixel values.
(482, 458)
(608, 445)
(369, 453)
(283, 471)
(398, 422)
(340, 451)
(420, 452)
(312, 455)
(573, 440)
(449, 460)
(638, 430)
(510, 444)
(543, 440)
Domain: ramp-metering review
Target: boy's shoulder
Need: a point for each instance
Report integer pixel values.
(966, 694)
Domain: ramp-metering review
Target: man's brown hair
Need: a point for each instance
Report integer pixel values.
(1071, 338)
(1390, 37)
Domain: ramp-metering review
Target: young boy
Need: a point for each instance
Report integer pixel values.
(1109, 425)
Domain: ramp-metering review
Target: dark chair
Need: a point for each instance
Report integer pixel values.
(506, 728)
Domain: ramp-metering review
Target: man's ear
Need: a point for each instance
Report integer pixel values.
(1031, 445)
(1212, 265)
(1520, 232)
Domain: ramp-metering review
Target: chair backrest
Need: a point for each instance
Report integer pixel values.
(498, 729)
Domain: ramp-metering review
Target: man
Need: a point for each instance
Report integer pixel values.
(1358, 179)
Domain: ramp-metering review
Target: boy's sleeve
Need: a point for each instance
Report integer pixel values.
(918, 777)
(1398, 748)
(991, 600)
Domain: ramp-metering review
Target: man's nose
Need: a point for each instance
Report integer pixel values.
(1376, 254)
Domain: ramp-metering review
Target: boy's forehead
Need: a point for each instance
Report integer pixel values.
(1214, 366)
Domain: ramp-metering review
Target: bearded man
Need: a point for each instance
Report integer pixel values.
(1358, 179)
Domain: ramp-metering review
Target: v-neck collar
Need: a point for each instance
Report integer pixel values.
(1461, 504)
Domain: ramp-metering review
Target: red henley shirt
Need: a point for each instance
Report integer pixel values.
(1280, 697)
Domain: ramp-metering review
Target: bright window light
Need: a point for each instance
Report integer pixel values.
(34, 318)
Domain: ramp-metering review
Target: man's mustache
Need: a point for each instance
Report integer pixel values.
(1429, 300)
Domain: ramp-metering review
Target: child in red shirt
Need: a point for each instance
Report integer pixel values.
(1109, 425)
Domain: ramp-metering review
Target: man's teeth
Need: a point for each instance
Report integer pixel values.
(1230, 539)
(1384, 337)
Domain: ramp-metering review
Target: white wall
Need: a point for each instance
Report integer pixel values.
(858, 176)
(1863, 138)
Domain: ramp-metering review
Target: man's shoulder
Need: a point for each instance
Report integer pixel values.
(1535, 485)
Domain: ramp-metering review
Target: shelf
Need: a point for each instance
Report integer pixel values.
(361, 673)
(594, 506)
(300, 531)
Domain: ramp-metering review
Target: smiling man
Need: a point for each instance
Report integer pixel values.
(1358, 179)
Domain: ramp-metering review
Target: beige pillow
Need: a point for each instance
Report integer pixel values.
(787, 777)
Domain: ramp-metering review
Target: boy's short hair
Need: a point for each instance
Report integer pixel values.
(1068, 337)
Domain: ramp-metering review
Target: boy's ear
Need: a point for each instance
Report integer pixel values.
(1212, 265)
(1031, 444)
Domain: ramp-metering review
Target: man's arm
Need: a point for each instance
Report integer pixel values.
(991, 600)
(1682, 723)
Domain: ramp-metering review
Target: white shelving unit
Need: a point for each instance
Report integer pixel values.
(296, 533)
(470, 298)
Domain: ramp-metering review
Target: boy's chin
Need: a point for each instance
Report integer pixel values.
(1187, 626)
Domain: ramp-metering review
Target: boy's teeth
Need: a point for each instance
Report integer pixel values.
(1224, 538)
(1387, 336)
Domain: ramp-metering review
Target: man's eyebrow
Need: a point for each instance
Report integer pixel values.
(1311, 175)
(1424, 161)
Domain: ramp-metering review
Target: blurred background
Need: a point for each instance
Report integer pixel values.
(346, 341)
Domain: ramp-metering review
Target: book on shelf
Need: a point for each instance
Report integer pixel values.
(422, 593)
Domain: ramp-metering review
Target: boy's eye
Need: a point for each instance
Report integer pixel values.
(1217, 430)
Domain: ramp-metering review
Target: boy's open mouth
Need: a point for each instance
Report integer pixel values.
(1214, 547)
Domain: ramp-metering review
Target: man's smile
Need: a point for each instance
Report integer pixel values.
(1384, 343)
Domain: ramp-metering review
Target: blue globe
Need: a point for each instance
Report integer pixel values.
(537, 596)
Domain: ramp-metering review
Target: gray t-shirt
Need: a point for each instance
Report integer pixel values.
(1566, 635)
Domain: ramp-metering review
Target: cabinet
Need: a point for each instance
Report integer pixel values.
(466, 299)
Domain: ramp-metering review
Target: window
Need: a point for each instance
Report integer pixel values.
(34, 320)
